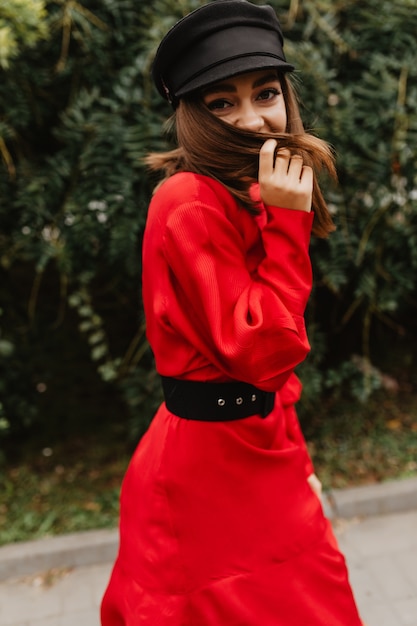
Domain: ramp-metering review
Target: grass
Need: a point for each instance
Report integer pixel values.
(386, 456)
(74, 485)
(354, 444)
(71, 487)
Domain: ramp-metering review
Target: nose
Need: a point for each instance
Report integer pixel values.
(248, 118)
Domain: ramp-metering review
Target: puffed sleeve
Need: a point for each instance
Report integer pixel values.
(250, 325)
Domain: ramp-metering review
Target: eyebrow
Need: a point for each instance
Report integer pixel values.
(229, 88)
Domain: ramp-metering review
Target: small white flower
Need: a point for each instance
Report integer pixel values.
(97, 205)
(399, 199)
(102, 218)
(26, 230)
(368, 200)
(50, 233)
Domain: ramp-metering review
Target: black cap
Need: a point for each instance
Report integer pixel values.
(221, 39)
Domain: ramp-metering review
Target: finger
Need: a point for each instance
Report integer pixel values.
(266, 157)
(295, 167)
(307, 176)
(305, 186)
(282, 160)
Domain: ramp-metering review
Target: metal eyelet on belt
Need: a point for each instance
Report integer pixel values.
(221, 402)
(253, 397)
(239, 400)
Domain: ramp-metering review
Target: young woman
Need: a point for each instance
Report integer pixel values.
(221, 521)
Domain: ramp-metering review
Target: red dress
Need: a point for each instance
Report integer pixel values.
(219, 526)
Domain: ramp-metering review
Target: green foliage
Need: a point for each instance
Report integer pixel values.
(22, 23)
(78, 113)
(358, 87)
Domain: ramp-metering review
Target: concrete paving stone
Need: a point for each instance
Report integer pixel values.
(83, 618)
(367, 537)
(407, 610)
(99, 579)
(379, 615)
(38, 604)
(391, 577)
(382, 562)
(54, 620)
(407, 561)
(76, 597)
(72, 598)
(83, 588)
(366, 589)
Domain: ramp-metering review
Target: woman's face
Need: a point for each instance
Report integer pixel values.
(252, 101)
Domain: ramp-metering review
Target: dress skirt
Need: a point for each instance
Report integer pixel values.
(219, 527)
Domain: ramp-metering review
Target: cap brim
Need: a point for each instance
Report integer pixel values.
(230, 68)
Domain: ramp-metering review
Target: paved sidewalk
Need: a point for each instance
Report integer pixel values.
(60, 597)
(381, 551)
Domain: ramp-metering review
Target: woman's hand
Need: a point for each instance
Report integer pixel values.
(284, 180)
(315, 485)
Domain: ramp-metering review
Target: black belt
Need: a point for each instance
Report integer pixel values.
(215, 402)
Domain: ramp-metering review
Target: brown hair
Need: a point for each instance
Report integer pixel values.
(209, 146)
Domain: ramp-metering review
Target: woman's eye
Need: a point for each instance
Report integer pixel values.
(268, 94)
(217, 105)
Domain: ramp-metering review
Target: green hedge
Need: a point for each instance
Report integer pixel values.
(78, 112)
